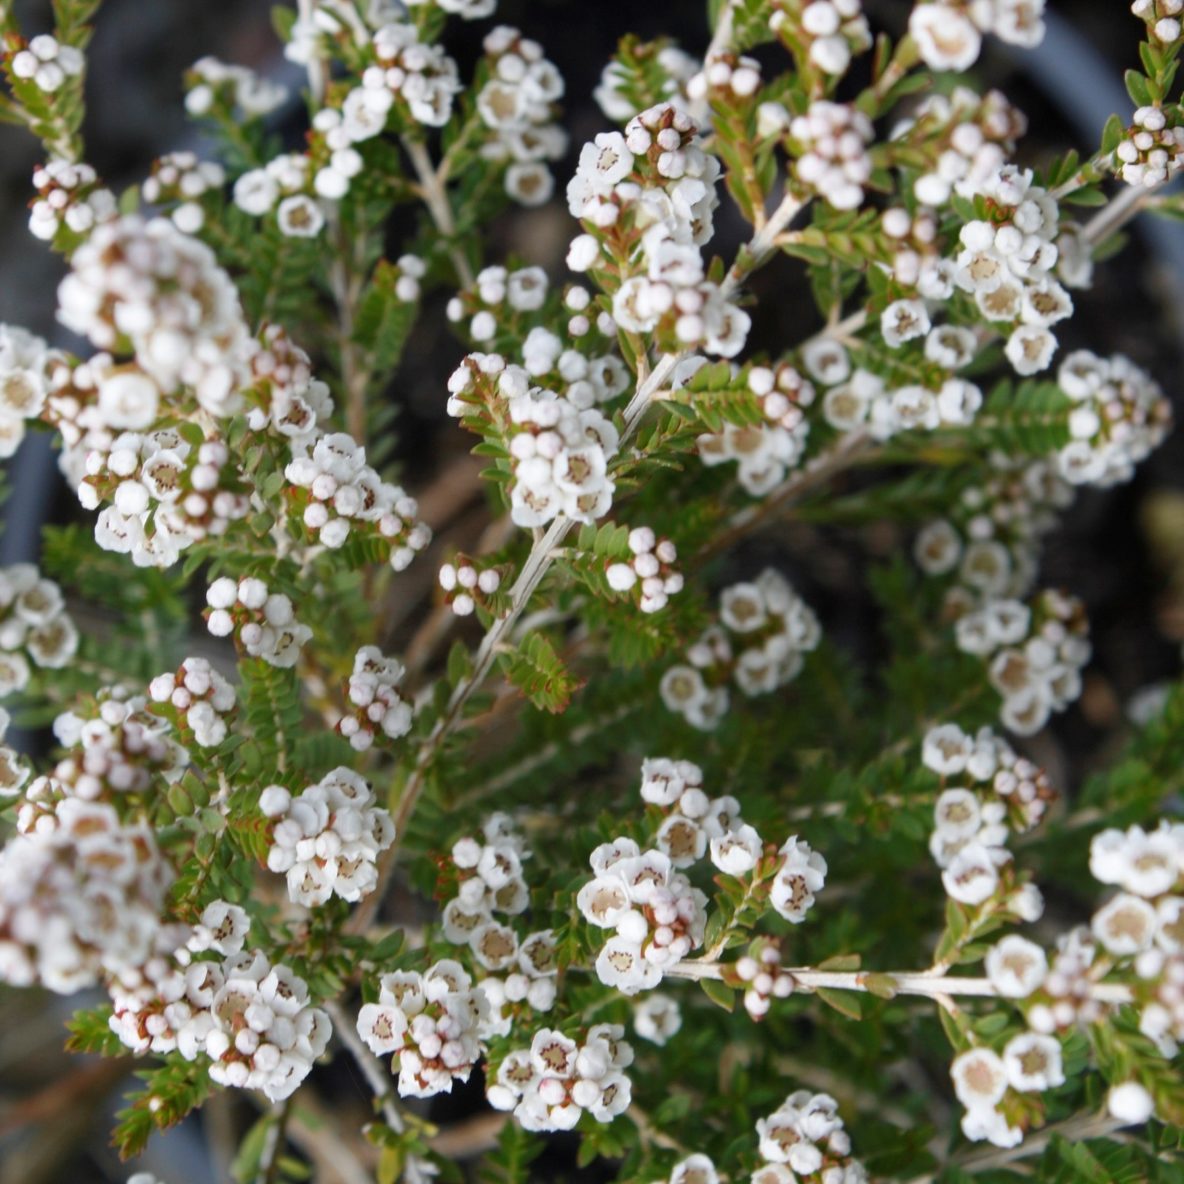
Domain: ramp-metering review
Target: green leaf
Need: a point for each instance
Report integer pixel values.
(538, 672)
(842, 1001)
(719, 993)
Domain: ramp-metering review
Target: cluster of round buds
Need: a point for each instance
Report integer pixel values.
(115, 745)
(421, 77)
(766, 630)
(1120, 416)
(431, 1021)
(24, 383)
(765, 452)
(281, 185)
(800, 874)
(949, 33)
(803, 1139)
(158, 1006)
(336, 492)
(14, 772)
(490, 880)
(1066, 997)
(656, 174)
(983, 1078)
(465, 586)
(68, 195)
(46, 63)
(989, 542)
(1034, 651)
(657, 1017)
(725, 78)
(165, 492)
(911, 239)
(550, 1085)
(262, 622)
(375, 699)
(695, 824)
(761, 975)
(1162, 17)
(833, 30)
(1151, 151)
(284, 396)
(34, 627)
(148, 285)
(213, 86)
(79, 899)
(517, 107)
(658, 917)
(650, 567)
(830, 142)
(968, 137)
(674, 301)
(327, 840)
(498, 293)
(988, 791)
(1144, 921)
(201, 697)
(183, 179)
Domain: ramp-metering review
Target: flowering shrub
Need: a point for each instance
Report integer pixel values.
(641, 806)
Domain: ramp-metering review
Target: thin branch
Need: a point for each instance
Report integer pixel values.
(435, 196)
(372, 1068)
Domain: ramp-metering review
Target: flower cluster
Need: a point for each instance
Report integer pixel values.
(1006, 262)
(763, 979)
(34, 627)
(832, 30)
(765, 452)
(284, 396)
(803, 1139)
(550, 1085)
(328, 838)
(47, 63)
(830, 142)
(988, 542)
(465, 587)
(969, 138)
(23, 384)
(181, 179)
(212, 85)
(146, 285)
(517, 107)
(949, 33)
(431, 1021)
(1152, 151)
(766, 630)
(987, 792)
(334, 492)
(68, 195)
(1030, 1062)
(250, 1018)
(115, 745)
(1120, 416)
(656, 915)
(261, 621)
(79, 899)
(200, 696)
(165, 492)
(375, 699)
(694, 821)
(283, 180)
(651, 567)
(1034, 652)
(1162, 18)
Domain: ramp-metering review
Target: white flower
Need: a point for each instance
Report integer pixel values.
(1033, 1062)
(1016, 967)
(657, 1017)
(300, 217)
(736, 852)
(1125, 925)
(946, 38)
(980, 1078)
